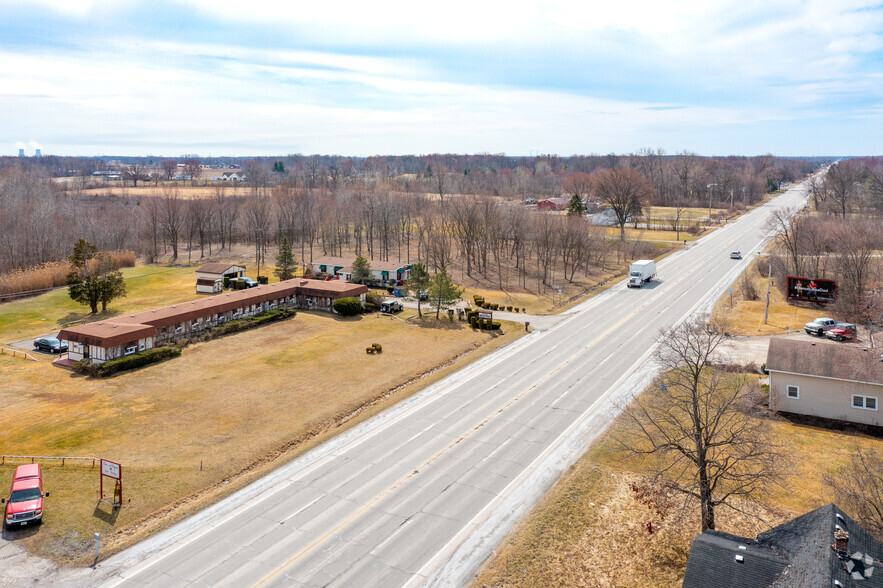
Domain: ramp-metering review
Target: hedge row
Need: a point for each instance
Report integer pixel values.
(249, 322)
(128, 362)
(482, 303)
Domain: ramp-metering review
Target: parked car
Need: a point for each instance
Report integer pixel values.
(391, 306)
(25, 503)
(819, 326)
(243, 283)
(736, 255)
(50, 344)
(843, 331)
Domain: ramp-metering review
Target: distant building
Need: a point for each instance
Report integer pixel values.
(233, 176)
(383, 273)
(553, 204)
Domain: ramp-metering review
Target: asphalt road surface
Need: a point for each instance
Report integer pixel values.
(425, 491)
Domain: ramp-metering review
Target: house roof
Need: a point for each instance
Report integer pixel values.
(825, 359)
(218, 268)
(104, 334)
(795, 554)
(347, 262)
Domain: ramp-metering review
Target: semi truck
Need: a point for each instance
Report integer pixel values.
(641, 272)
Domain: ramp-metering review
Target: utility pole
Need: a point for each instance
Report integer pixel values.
(710, 193)
(769, 278)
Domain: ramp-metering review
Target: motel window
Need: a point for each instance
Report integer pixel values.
(131, 348)
(793, 392)
(864, 402)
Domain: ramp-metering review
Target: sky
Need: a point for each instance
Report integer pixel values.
(357, 78)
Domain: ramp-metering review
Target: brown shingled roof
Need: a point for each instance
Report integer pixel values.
(825, 359)
(150, 320)
(217, 268)
(106, 334)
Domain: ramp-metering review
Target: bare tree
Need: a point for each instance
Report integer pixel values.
(625, 191)
(169, 167)
(697, 423)
(171, 218)
(858, 487)
(193, 168)
(841, 185)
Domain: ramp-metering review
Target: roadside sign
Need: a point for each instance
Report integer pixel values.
(110, 469)
(485, 314)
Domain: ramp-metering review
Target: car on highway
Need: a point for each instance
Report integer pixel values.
(50, 344)
(819, 326)
(25, 503)
(842, 331)
(736, 255)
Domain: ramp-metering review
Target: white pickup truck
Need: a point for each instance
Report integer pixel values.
(641, 272)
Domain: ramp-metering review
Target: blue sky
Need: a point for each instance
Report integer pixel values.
(217, 77)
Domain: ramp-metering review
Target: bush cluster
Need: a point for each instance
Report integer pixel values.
(128, 362)
(375, 348)
(347, 306)
(478, 323)
(480, 302)
(249, 322)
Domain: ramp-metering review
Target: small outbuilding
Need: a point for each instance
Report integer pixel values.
(215, 271)
(209, 285)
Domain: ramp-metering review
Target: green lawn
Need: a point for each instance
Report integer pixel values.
(148, 287)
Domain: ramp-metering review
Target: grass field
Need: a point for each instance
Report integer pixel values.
(229, 409)
(745, 317)
(185, 190)
(590, 529)
(650, 235)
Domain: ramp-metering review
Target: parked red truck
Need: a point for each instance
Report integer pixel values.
(25, 503)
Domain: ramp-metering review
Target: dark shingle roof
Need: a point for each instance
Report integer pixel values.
(826, 359)
(713, 562)
(795, 554)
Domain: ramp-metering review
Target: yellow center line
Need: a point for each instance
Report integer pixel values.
(401, 481)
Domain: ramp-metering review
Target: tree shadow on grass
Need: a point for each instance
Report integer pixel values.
(442, 323)
(86, 317)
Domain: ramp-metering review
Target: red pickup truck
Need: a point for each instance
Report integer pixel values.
(25, 503)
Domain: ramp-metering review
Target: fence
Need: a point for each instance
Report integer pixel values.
(16, 353)
(3, 458)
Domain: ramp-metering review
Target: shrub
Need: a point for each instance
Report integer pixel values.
(374, 299)
(473, 321)
(369, 307)
(495, 326)
(226, 282)
(268, 316)
(369, 350)
(263, 279)
(377, 347)
(136, 360)
(516, 309)
(390, 289)
(509, 308)
(347, 306)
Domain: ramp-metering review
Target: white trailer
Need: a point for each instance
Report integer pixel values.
(641, 272)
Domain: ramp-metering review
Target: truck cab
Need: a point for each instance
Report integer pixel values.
(641, 272)
(25, 503)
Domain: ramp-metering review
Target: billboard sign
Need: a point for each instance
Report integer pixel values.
(485, 314)
(809, 290)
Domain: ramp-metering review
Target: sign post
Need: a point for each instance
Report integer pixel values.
(112, 469)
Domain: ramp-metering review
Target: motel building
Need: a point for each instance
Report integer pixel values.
(125, 335)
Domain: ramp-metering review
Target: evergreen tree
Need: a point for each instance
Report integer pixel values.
(361, 270)
(91, 290)
(443, 292)
(285, 264)
(418, 281)
(576, 206)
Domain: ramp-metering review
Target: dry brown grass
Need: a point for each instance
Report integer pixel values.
(229, 409)
(54, 274)
(745, 317)
(184, 189)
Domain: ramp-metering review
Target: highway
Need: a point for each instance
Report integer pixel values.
(422, 493)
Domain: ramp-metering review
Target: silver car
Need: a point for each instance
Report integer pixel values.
(819, 326)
